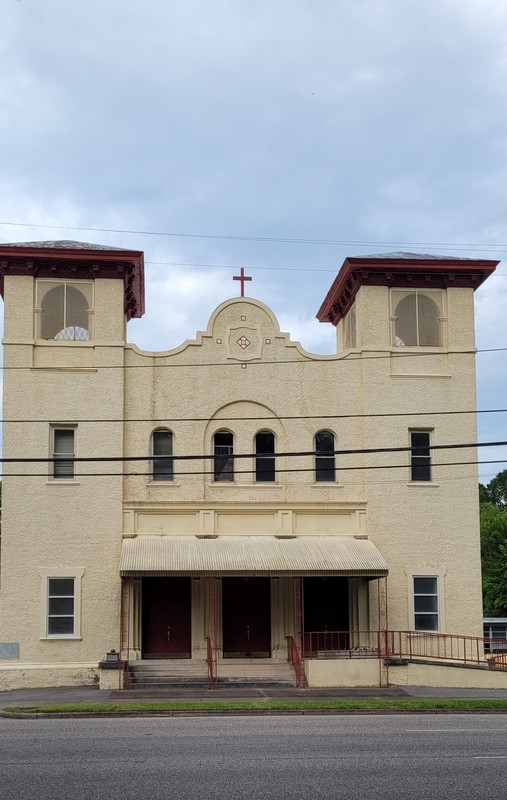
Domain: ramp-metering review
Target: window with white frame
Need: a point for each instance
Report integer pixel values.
(223, 452)
(324, 457)
(64, 310)
(61, 614)
(495, 632)
(61, 602)
(420, 455)
(417, 318)
(162, 452)
(63, 451)
(426, 603)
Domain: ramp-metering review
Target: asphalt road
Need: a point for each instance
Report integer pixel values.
(411, 756)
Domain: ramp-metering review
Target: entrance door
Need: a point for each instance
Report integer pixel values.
(326, 613)
(166, 618)
(246, 615)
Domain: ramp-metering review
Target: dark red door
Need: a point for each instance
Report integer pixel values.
(246, 615)
(167, 618)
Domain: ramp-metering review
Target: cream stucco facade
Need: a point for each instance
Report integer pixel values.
(237, 528)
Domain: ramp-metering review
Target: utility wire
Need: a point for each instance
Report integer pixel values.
(314, 358)
(257, 267)
(250, 472)
(271, 418)
(236, 456)
(281, 239)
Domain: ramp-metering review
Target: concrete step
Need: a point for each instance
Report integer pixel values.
(254, 683)
(254, 670)
(191, 670)
(201, 683)
(234, 673)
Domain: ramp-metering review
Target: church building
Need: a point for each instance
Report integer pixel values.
(236, 503)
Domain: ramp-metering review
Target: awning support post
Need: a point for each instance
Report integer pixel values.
(125, 595)
(211, 630)
(299, 621)
(382, 631)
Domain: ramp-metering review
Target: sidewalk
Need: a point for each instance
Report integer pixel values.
(91, 694)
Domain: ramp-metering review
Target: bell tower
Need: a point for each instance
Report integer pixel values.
(78, 291)
(66, 305)
(406, 349)
(402, 300)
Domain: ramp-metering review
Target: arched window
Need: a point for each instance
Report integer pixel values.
(64, 310)
(223, 452)
(324, 457)
(417, 321)
(162, 452)
(265, 457)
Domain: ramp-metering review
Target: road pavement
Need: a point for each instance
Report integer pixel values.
(410, 757)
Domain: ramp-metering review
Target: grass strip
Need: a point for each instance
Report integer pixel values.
(267, 705)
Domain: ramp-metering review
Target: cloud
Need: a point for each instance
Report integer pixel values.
(362, 121)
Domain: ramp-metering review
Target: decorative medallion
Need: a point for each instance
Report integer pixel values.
(244, 343)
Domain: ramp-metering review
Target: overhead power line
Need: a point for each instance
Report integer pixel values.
(236, 456)
(311, 359)
(171, 420)
(270, 268)
(251, 238)
(250, 472)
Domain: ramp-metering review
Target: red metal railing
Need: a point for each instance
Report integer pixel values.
(441, 647)
(211, 658)
(342, 644)
(294, 657)
(498, 659)
(405, 644)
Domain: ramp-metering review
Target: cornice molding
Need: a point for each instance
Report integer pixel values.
(405, 273)
(79, 264)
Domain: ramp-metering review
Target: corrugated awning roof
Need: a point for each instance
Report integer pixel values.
(248, 555)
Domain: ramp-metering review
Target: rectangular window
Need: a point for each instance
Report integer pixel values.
(61, 607)
(426, 603)
(420, 456)
(495, 630)
(63, 451)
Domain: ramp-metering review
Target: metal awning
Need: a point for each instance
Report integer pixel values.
(251, 555)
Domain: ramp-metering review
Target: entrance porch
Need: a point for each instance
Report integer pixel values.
(241, 629)
(218, 601)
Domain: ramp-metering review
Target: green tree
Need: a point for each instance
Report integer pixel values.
(493, 499)
(484, 495)
(494, 559)
(496, 490)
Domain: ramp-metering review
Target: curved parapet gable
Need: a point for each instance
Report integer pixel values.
(240, 330)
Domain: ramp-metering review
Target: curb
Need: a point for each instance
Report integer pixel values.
(268, 712)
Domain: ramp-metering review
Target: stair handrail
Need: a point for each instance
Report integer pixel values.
(211, 659)
(294, 657)
(126, 675)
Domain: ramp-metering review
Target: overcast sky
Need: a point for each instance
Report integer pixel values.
(376, 125)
